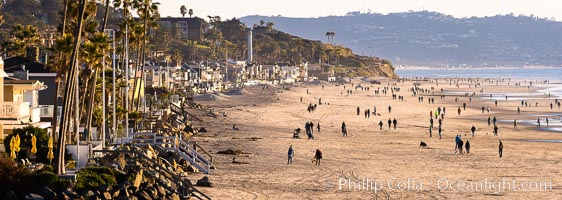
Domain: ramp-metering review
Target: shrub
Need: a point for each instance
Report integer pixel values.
(94, 177)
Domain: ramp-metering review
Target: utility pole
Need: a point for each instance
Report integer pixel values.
(127, 80)
(114, 97)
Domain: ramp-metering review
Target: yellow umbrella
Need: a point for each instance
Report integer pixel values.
(50, 143)
(34, 144)
(13, 148)
(50, 155)
(17, 143)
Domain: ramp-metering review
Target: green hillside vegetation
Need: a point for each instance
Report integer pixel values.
(228, 40)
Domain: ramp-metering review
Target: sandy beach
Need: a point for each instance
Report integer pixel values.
(391, 160)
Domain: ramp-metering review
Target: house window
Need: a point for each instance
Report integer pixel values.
(183, 27)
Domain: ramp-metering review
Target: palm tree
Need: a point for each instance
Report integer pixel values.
(23, 37)
(190, 12)
(328, 36)
(262, 22)
(332, 34)
(183, 10)
(146, 10)
(69, 87)
(94, 51)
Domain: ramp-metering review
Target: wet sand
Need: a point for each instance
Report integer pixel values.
(378, 155)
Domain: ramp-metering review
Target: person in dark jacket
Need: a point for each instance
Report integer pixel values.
(500, 149)
(318, 157)
(394, 122)
(381, 124)
(473, 130)
(290, 155)
(467, 147)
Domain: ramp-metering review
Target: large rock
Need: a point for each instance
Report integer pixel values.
(161, 191)
(175, 196)
(143, 195)
(47, 193)
(90, 194)
(33, 196)
(10, 195)
(191, 168)
(138, 179)
(205, 182)
(70, 194)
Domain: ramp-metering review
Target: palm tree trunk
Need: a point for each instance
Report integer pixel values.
(69, 85)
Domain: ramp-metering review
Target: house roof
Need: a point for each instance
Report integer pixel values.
(17, 63)
(33, 84)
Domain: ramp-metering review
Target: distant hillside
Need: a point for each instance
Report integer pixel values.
(429, 38)
(229, 37)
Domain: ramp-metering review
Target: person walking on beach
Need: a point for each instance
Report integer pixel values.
(389, 123)
(439, 130)
(539, 122)
(430, 122)
(518, 110)
(464, 106)
(515, 123)
(489, 121)
(494, 120)
(318, 127)
(394, 122)
(318, 157)
(343, 129)
(381, 124)
(389, 109)
(496, 130)
(546, 121)
(467, 147)
(358, 110)
(473, 129)
(459, 111)
(500, 149)
(290, 155)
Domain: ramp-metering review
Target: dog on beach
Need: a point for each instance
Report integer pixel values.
(423, 145)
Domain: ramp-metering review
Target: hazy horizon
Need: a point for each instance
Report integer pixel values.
(303, 9)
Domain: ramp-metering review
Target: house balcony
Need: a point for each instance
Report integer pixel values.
(19, 111)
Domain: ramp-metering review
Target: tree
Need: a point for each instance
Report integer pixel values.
(190, 12)
(69, 87)
(94, 51)
(328, 36)
(262, 22)
(183, 10)
(270, 26)
(23, 37)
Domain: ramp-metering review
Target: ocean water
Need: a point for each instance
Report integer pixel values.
(552, 74)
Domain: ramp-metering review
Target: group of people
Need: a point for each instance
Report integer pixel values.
(315, 160)
(459, 145)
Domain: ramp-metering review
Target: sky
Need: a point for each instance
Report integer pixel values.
(319, 8)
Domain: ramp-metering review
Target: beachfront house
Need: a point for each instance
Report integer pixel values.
(27, 69)
(19, 101)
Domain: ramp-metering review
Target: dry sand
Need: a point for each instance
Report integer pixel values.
(372, 153)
